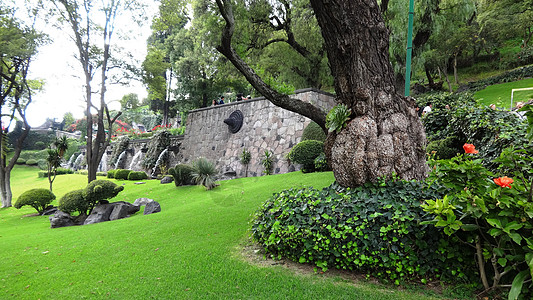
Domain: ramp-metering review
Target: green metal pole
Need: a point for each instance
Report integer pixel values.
(409, 48)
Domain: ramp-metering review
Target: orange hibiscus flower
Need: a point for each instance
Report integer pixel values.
(469, 148)
(504, 181)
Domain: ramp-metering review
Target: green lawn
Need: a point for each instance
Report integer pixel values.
(500, 94)
(191, 250)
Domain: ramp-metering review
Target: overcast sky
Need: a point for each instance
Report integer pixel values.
(63, 75)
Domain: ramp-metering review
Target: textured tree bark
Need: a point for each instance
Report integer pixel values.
(384, 135)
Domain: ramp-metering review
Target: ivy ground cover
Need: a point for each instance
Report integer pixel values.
(191, 250)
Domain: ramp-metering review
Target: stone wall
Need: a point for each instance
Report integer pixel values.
(265, 127)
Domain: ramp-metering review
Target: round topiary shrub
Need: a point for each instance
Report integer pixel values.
(122, 174)
(182, 174)
(39, 145)
(99, 190)
(374, 229)
(74, 201)
(137, 175)
(31, 162)
(21, 161)
(305, 152)
(36, 198)
(111, 173)
(313, 132)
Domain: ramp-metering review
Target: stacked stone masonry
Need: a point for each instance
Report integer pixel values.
(265, 127)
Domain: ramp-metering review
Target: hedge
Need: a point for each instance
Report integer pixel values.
(122, 174)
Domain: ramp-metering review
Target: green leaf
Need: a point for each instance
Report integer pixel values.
(516, 287)
(517, 238)
(502, 261)
(513, 226)
(495, 223)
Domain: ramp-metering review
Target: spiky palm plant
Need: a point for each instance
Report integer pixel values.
(204, 173)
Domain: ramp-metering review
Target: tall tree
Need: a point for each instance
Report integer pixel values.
(18, 44)
(81, 16)
(384, 134)
(286, 30)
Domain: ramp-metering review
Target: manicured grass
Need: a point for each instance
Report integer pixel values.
(500, 94)
(191, 250)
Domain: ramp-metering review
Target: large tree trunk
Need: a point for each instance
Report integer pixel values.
(384, 135)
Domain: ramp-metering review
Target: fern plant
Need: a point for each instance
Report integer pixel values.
(204, 173)
(337, 118)
(267, 162)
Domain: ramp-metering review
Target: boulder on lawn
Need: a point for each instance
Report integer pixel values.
(122, 210)
(61, 219)
(111, 211)
(100, 213)
(167, 179)
(152, 207)
(142, 201)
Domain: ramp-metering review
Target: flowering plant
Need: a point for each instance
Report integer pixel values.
(489, 214)
(469, 148)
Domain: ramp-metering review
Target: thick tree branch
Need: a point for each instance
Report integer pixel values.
(295, 105)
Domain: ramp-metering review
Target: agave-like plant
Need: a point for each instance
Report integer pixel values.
(204, 173)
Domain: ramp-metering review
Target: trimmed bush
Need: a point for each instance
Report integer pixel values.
(111, 173)
(182, 174)
(31, 162)
(42, 164)
(122, 174)
(99, 190)
(36, 198)
(21, 161)
(59, 171)
(74, 201)
(102, 174)
(305, 152)
(374, 229)
(445, 148)
(137, 175)
(39, 145)
(313, 132)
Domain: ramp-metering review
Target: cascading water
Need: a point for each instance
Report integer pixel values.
(135, 164)
(120, 160)
(77, 163)
(70, 162)
(102, 167)
(159, 161)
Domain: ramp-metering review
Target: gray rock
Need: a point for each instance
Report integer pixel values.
(152, 207)
(166, 179)
(61, 219)
(50, 210)
(142, 201)
(111, 211)
(100, 213)
(122, 210)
